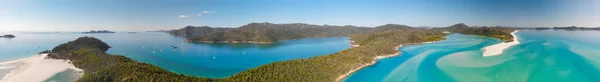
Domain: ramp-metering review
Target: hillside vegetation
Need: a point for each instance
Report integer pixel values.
(495, 32)
(267, 32)
(88, 53)
(328, 68)
(191, 31)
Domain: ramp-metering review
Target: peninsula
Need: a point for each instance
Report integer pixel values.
(89, 54)
(497, 49)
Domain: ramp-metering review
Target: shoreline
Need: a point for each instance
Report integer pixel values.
(253, 42)
(36, 69)
(497, 49)
(377, 58)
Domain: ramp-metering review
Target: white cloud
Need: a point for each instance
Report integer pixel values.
(207, 12)
(183, 16)
(199, 14)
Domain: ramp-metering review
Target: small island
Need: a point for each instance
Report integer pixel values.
(166, 31)
(8, 36)
(99, 31)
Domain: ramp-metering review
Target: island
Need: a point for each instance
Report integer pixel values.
(264, 32)
(89, 54)
(166, 31)
(8, 36)
(573, 28)
(269, 32)
(569, 28)
(99, 31)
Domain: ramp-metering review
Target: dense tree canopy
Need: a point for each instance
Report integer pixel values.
(88, 53)
(496, 32)
(266, 32)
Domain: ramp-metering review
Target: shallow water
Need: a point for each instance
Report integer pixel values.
(197, 59)
(542, 56)
(68, 75)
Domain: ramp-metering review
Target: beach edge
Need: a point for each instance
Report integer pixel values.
(37, 68)
(377, 58)
(497, 49)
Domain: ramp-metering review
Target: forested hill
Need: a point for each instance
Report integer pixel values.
(269, 32)
(328, 68)
(502, 33)
(88, 53)
(191, 31)
(266, 32)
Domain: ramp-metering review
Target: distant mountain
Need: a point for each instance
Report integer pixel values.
(502, 33)
(265, 32)
(389, 27)
(269, 32)
(575, 28)
(7, 36)
(191, 31)
(459, 26)
(159, 31)
(99, 31)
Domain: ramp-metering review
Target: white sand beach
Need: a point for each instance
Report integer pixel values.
(377, 58)
(497, 49)
(341, 77)
(36, 69)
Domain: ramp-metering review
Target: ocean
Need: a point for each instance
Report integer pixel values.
(214, 60)
(541, 56)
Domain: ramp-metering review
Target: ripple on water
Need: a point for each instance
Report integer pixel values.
(407, 70)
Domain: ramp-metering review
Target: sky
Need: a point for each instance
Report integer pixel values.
(146, 15)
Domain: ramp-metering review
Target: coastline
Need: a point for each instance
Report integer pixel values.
(37, 69)
(498, 49)
(377, 58)
(253, 42)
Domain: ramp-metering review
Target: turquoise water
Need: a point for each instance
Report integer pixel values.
(64, 76)
(197, 59)
(542, 56)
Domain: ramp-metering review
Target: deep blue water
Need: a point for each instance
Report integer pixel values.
(199, 59)
(542, 56)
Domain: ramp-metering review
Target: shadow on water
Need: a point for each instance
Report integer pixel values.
(275, 44)
(428, 68)
(243, 45)
(68, 75)
(579, 62)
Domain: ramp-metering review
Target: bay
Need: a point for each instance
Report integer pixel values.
(214, 60)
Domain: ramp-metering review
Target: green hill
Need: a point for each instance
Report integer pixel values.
(88, 53)
(502, 33)
(191, 31)
(268, 32)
